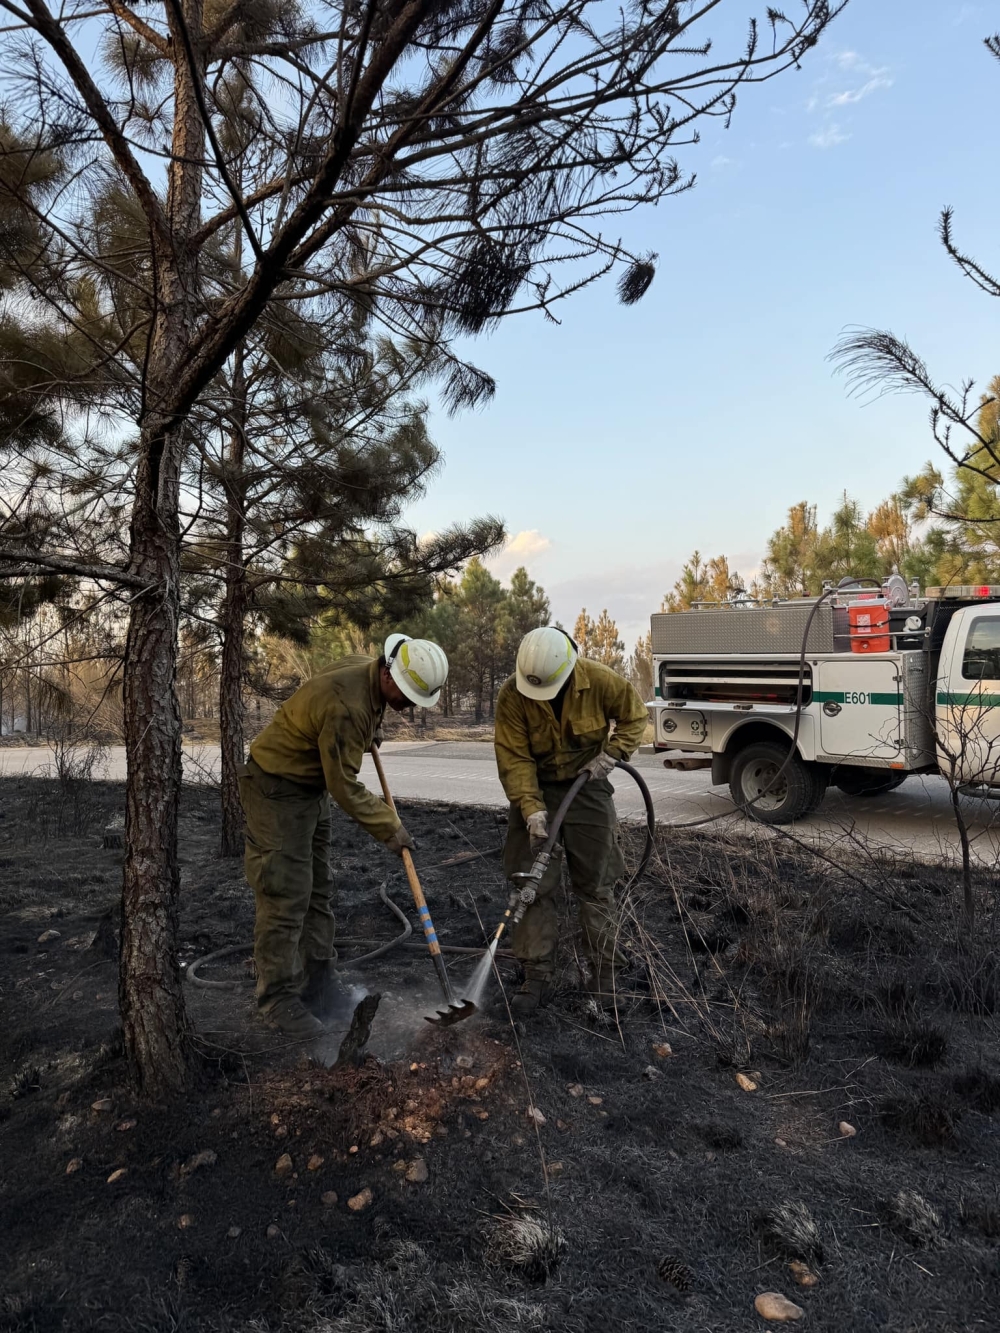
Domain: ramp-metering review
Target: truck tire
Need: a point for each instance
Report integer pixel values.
(794, 793)
(867, 781)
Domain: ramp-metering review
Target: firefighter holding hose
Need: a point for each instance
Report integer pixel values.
(553, 722)
(312, 750)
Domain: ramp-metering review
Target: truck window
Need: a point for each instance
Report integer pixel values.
(981, 660)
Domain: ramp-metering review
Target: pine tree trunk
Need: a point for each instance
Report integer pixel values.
(235, 603)
(154, 1025)
(149, 988)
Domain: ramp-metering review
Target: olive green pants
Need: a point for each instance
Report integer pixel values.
(287, 862)
(595, 863)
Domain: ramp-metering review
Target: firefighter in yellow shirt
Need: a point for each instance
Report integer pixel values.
(312, 750)
(553, 721)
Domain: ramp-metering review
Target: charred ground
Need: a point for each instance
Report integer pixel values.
(659, 1190)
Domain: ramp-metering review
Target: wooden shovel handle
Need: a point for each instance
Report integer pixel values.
(411, 870)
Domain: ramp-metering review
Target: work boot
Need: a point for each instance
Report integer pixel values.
(289, 1015)
(324, 994)
(531, 995)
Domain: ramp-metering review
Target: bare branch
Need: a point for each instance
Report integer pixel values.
(65, 565)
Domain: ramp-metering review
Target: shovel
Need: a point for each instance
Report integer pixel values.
(457, 1009)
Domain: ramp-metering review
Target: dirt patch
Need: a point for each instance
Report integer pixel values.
(658, 1173)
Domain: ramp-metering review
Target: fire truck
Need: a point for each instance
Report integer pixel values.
(855, 689)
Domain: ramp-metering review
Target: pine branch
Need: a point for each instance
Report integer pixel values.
(51, 30)
(19, 560)
(138, 25)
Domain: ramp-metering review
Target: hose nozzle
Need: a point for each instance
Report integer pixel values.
(525, 889)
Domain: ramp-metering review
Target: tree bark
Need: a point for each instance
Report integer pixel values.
(149, 988)
(235, 604)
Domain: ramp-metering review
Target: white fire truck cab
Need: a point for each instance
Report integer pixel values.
(856, 689)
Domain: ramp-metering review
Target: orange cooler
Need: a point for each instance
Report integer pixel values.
(869, 627)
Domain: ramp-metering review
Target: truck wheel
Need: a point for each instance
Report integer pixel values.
(868, 782)
(774, 799)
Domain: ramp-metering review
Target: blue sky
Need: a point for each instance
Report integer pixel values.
(624, 438)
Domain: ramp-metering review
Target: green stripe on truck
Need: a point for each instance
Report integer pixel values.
(964, 700)
(859, 697)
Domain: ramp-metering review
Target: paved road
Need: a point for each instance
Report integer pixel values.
(916, 818)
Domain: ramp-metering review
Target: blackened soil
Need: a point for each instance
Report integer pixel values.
(769, 996)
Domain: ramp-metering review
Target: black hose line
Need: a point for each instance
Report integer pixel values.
(647, 800)
(570, 797)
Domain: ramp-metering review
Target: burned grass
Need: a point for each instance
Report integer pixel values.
(656, 1169)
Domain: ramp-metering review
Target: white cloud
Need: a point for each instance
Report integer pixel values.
(847, 59)
(521, 549)
(527, 543)
(853, 95)
(828, 137)
(722, 161)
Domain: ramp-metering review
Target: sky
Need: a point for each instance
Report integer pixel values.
(624, 438)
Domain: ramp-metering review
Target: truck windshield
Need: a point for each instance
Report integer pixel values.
(981, 660)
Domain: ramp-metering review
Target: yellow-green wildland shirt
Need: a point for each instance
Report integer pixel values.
(533, 745)
(319, 737)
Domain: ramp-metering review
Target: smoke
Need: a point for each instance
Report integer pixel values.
(400, 1029)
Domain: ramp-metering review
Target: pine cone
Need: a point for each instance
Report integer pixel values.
(677, 1273)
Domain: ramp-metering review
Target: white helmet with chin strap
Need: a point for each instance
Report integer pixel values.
(418, 667)
(545, 661)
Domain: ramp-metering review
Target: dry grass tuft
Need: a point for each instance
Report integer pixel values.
(972, 983)
(927, 1119)
(980, 1088)
(913, 1044)
(25, 1082)
(525, 1243)
(912, 1217)
(790, 1231)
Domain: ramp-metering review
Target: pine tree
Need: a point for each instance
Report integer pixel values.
(698, 583)
(598, 639)
(480, 601)
(525, 607)
(605, 645)
(639, 668)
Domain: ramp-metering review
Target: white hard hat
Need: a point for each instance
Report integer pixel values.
(545, 661)
(418, 667)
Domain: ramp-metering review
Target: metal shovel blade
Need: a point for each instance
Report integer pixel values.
(455, 1013)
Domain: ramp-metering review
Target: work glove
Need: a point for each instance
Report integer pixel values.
(600, 766)
(538, 831)
(399, 840)
(378, 738)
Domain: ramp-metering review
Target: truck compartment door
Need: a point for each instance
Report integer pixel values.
(968, 698)
(859, 703)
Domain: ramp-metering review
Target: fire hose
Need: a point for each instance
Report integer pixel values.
(525, 884)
